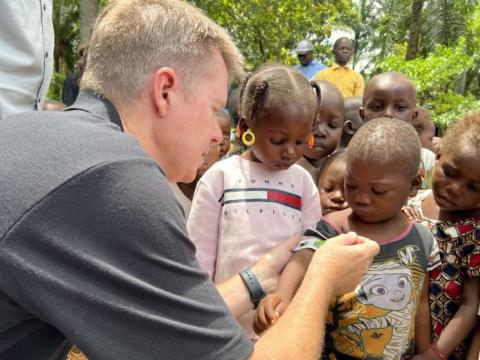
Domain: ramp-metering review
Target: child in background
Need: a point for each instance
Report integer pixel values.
(225, 125)
(426, 131)
(331, 176)
(451, 209)
(379, 320)
(393, 95)
(425, 128)
(353, 120)
(327, 129)
(233, 107)
(245, 205)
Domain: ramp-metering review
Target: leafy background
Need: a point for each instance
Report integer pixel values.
(445, 65)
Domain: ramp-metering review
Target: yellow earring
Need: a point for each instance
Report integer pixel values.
(248, 138)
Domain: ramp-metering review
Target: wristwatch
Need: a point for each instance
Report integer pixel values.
(254, 288)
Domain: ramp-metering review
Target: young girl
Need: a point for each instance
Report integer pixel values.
(245, 205)
(377, 321)
(452, 211)
(330, 183)
(327, 130)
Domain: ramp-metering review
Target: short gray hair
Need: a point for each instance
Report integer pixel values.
(133, 38)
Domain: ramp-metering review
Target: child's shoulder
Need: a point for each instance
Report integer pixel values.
(339, 219)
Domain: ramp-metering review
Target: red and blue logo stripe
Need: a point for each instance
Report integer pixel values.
(231, 196)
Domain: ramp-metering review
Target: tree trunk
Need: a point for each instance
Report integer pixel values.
(88, 15)
(414, 33)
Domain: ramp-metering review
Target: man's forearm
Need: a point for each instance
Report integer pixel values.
(235, 295)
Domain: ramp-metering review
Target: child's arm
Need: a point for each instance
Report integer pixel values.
(273, 305)
(422, 320)
(473, 352)
(463, 321)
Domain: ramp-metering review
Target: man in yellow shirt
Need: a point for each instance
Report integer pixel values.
(348, 81)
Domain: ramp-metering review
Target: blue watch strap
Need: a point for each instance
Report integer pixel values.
(254, 288)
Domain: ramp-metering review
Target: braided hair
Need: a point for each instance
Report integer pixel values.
(274, 87)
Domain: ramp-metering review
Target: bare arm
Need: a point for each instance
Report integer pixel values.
(273, 306)
(267, 270)
(336, 268)
(422, 321)
(463, 321)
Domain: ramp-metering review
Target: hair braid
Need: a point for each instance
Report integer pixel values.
(243, 87)
(258, 97)
(318, 93)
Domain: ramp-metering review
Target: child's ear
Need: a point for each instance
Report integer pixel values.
(242, 123)
(348, 127)
(361, 111)
(415, 185)
(415, 114)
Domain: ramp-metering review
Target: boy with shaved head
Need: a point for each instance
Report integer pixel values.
(393, 95)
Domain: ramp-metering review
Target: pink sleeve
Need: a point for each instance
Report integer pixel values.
(203, 223)
(311, 211)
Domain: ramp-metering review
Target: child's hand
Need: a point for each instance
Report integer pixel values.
(268, 312)
(411, 213)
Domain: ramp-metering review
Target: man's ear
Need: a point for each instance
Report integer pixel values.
(361, 111)
(165, 84)
(348, 127)
(415, 185)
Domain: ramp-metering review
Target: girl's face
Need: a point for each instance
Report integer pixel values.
(456, 181)
(377, 191)
(331, 187)
(328, 129)
(280, 137)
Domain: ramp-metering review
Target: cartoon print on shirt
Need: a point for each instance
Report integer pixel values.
(387, 295)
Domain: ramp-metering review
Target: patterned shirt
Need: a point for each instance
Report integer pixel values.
(459, 246)
(377, 321)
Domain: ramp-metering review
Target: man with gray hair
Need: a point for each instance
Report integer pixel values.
(93, 245)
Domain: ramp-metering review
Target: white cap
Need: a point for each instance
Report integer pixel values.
(303, 47)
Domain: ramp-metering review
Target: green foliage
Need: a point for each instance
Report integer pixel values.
(436, 77)
(268, 30)
(55, 89)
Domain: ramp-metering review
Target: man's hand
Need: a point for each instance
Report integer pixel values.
(342, 261)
